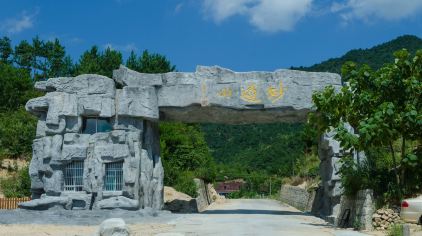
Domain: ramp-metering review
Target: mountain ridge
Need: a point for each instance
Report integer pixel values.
(375, 56)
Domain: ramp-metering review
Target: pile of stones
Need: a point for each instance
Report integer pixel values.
(383, 218)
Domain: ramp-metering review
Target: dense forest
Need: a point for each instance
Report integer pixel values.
(274, 149)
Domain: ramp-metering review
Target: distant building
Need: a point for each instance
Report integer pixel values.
(229, 186)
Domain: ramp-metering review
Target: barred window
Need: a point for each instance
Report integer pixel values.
(113, 176)
(73, 175)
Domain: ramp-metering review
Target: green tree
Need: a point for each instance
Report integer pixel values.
(6, 50)
(132, 62)
(149, 63)
(43, 59)
(96, 62)
(39, 58)
(384, 107)
(59, 63)
(16, 87)
(89, 62)
(183, 148)
(17, 130)
(23, 55)
(110, 59)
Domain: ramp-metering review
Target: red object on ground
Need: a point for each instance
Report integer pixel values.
(229, 186)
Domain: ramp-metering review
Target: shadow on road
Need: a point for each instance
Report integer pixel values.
(252, 212)
(326, 225)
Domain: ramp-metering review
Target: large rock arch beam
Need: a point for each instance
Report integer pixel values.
(218, 95)
(134, 103)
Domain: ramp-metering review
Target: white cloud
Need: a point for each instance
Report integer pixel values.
(266, 15)
(219, 10)
(129, 47)
(276, 15)
(125, 48)
(20, 23)
(178, 7)
(381, 9)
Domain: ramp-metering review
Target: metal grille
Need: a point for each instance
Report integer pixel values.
(73, 175)
(113, 176)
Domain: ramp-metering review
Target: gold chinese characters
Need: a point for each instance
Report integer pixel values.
(250, 94)
(275, 93)
(226, 92)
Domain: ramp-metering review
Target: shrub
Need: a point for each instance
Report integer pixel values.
(17, 130)
(395, 230)
(183, 148)
(17, 185)
(354, 177)
(184, 183)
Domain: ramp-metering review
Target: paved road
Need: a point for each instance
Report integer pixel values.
(253, 217)
(233, 217)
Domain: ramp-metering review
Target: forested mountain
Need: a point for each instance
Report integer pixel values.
(270, 148)
(375, 57)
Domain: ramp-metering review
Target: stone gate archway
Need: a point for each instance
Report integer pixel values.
(97, 141)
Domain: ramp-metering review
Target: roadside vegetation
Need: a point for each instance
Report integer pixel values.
(384, 107)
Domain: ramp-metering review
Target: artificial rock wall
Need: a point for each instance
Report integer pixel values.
(59, 140)
(330, 203)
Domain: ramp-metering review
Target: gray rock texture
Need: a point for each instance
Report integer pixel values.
(182, 203)
(47, 203)
(203, 200)
(178, 202)
(118, 202)
(298, 197)
(113, 227)
(60, 141)
(94, 121)
(218, 95)
(330, 202)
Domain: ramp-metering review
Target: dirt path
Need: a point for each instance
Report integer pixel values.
(66, 230)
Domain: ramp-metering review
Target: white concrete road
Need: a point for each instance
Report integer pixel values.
(253, 217)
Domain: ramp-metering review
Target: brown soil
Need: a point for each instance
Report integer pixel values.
(65, 230)
(171, 194)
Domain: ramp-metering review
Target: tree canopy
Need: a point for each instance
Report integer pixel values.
(149, 63)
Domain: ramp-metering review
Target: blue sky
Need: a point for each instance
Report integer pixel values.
(242, 35)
